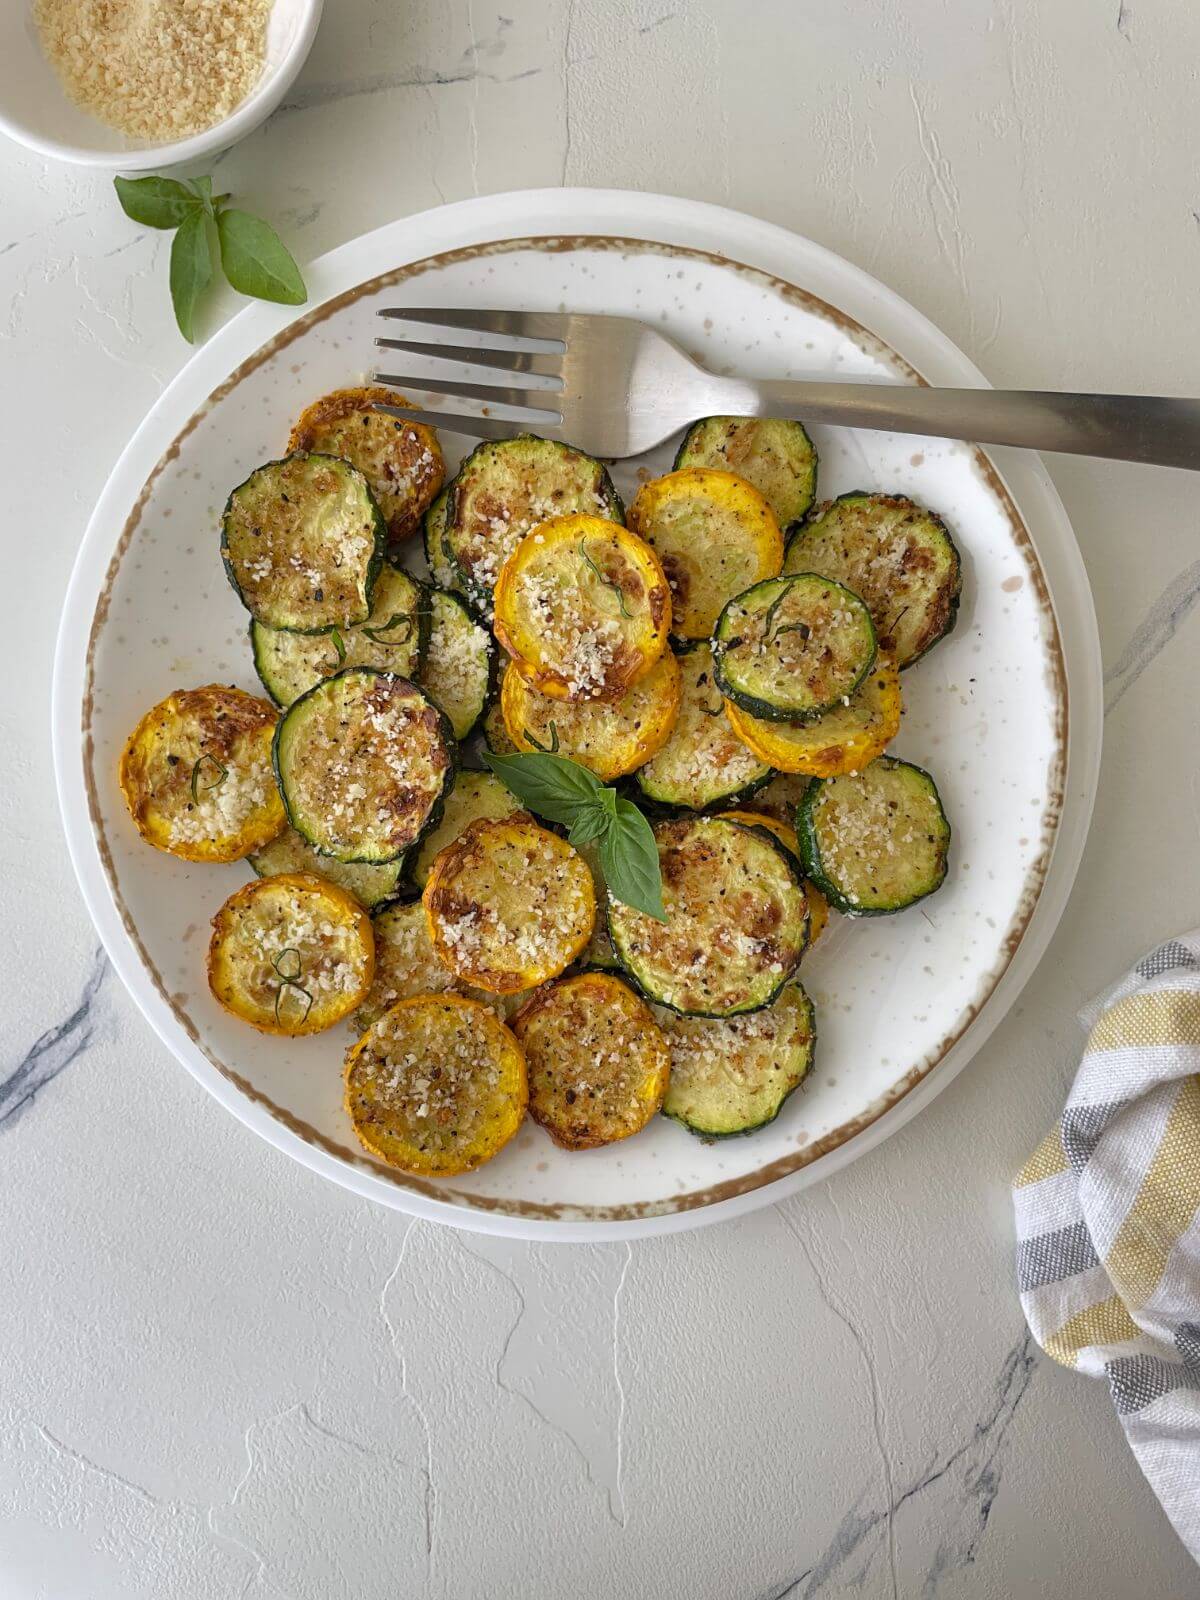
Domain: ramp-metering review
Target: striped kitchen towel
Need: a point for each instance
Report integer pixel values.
(1108, 1221)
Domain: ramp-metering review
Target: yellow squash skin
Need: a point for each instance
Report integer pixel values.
(402, 461)
(436, 1086)
(510, 905)
(291, 954)
(204, 732)
(583, 608)
(610, 738)
(598, 1062)
(844, 740)
(715, 536)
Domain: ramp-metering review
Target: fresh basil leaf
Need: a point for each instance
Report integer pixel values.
(156, 202)
(553, 787)
(203, 187)
(629, 862)
(591, 821)
(256, 261)
(191, 270)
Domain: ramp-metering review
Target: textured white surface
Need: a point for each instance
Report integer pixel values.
(223, 1377)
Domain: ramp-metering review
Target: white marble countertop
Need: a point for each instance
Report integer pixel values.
(223, 1377)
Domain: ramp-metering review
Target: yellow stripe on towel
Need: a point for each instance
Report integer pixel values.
(1107, 1322)
(1166, 1203)
(1047, 1161)
(1140, 1021)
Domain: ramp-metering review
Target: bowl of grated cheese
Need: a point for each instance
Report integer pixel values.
(150, 83)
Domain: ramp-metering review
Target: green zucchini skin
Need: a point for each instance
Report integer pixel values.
(289, 663)
(926, 857)
(724, 1114)
(841, 539)
(741, 681)
(313, 621)
(752, 985)
(549, 470)
(451, 611)
(773, 454)
(309, 826)
(441, 569)
(373, 887)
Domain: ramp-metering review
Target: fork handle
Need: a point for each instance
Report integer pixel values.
(1162, 432)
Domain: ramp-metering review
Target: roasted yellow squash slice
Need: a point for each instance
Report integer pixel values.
(846, 739)
(609, 737)
(196, 775)
(715, 536)
(291, 954)
(510, 905)
(583, 608)
(402, 461)
(598, 1062)
(436, 1086)
(475, 797)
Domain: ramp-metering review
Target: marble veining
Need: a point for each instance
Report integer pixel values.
(56, 1048)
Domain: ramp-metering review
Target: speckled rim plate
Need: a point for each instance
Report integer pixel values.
(1042, 722)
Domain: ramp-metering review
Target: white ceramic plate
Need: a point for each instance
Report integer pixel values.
(902, 1002)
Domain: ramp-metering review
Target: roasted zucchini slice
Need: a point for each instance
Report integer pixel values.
(460, 663)
(506, 488)
(392, 639)
(599, 953)
(846, 739)
(196, 774)
(790, 649)
(289, 852)
(703, 763)
(894, 553)
(364, 761)
(291, 954)
(510, 905)
(583, 608)
(405, 966)
(475, 797)
(732, 1076)
(303, 540)
(441, 568)
(598, 1062)
(610, 738)
(772, 453)
(402, 461)
(495, 734)
(875, 842)
(737, 920)
(780, 797)
(818, 906)
(437, 1086)
(715, 536)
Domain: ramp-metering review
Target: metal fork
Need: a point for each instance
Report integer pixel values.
(616, 388)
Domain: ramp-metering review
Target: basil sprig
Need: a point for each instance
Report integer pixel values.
(252, 256)
(562, 791)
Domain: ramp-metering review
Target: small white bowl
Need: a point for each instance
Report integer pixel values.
(35, 110)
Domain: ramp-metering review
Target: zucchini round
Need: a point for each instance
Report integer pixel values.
(364, 761)
(401, 460)
(599, 955)
(772, 453)
(790, 649)
(289, 852)
(583, 608)
(441, 568)
(894, 553)
(504, 489)
(510, 905)
(702, 763)
(875, 842)
(737, 920)
(437, 1086)
(818, 906)
(196, 775)
(715, 536)
(495, 734)
(459, 670)
(291, 954)
(610, 738)
(732, 1076)
(303, 541)
(598, 1062)
(392, 639)
(780, 797)
(475, 797)
(846, 739)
